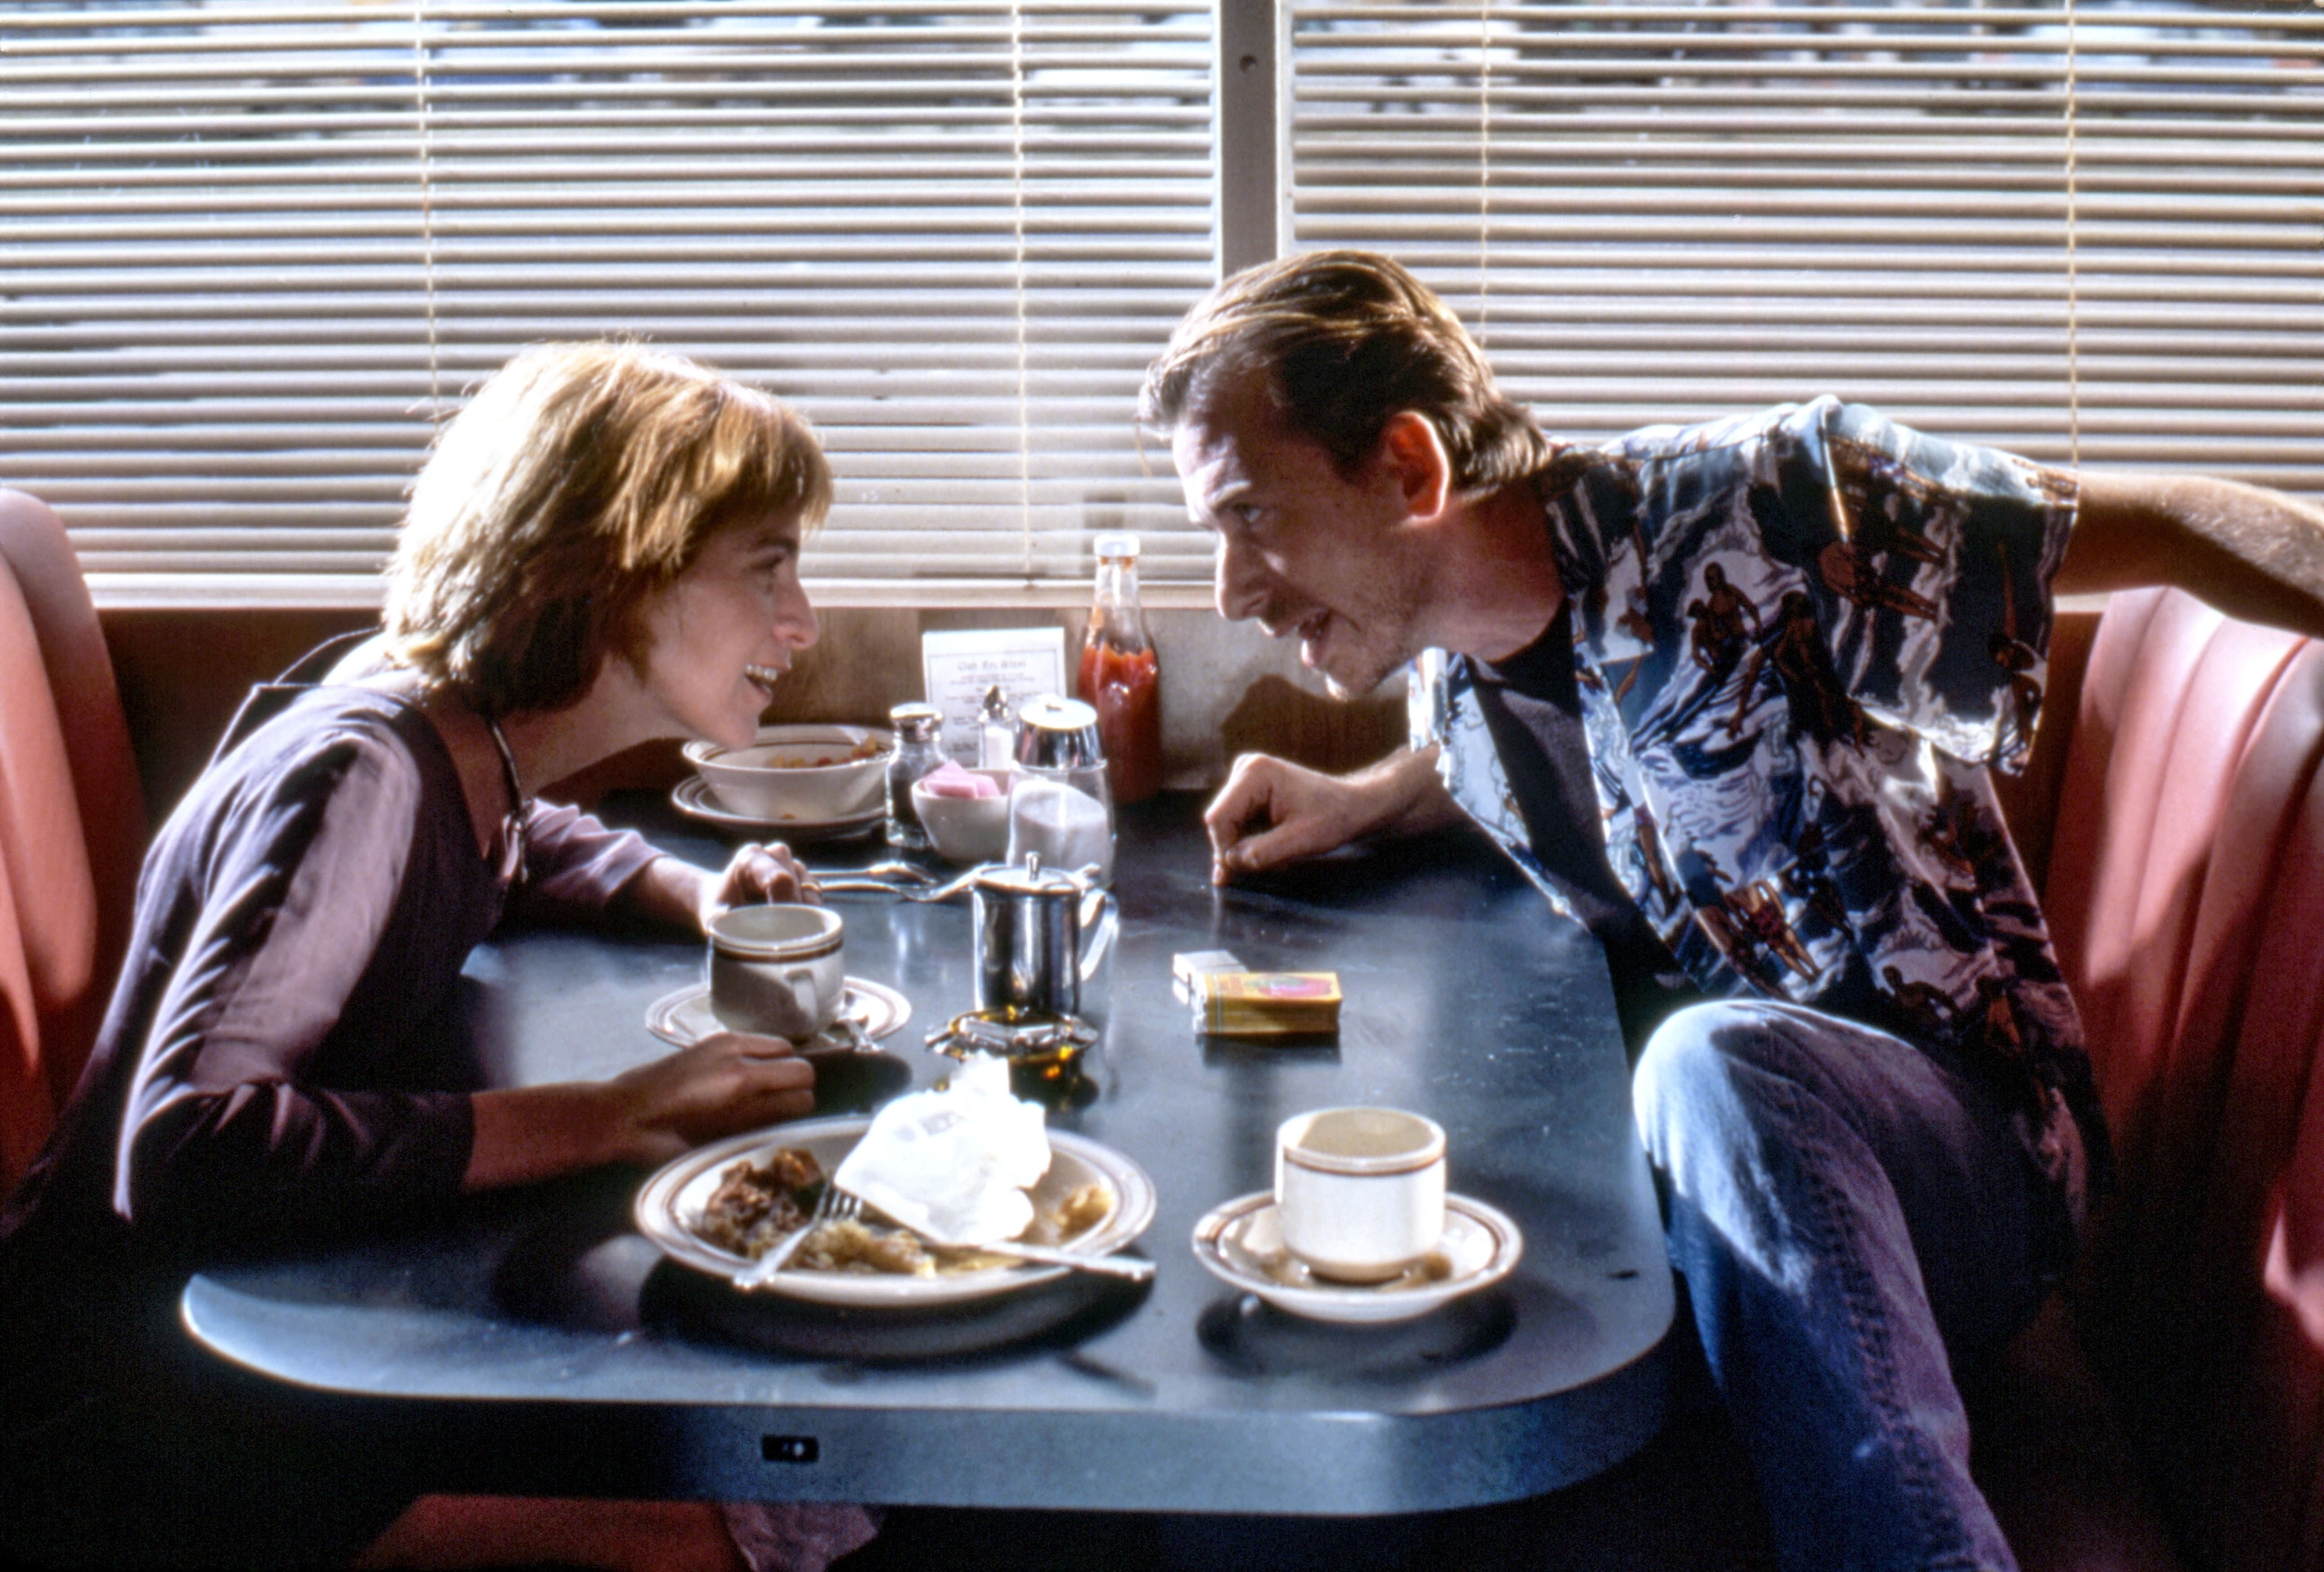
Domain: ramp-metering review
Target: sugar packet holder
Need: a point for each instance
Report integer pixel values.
(1276, 1006)
(1187, 965)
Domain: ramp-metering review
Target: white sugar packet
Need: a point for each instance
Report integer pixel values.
(954, 1165)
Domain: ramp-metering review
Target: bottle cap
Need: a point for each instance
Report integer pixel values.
(915, 721)
(1116, 545)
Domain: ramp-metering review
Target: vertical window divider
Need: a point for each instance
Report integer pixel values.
(2073, 259)
(1017, 220)
(1250, 132)
(1484, 168)
(425, 128)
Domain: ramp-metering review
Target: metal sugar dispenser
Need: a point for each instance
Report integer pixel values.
(1039, 934)
(1060, 803)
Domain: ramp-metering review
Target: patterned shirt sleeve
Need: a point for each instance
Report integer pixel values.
(1824, 557)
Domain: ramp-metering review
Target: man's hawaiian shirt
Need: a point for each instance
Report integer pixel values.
(1801, 638)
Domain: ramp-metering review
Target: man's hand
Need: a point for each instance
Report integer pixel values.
(1271, 812)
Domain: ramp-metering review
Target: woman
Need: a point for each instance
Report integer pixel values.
(603, 549)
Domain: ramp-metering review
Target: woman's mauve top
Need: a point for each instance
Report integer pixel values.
(284, 1050)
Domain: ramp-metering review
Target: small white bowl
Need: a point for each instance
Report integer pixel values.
(809, 773)
(967, 829)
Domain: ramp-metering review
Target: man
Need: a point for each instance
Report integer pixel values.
(1859, 1073)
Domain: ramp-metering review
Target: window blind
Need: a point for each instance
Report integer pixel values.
(250, 253)
(2088, 232)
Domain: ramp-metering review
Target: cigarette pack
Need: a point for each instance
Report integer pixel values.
(1267, 1004)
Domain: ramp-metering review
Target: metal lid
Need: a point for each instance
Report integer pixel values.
(915, 721)
(1116, 545)
(1058, 734)
(1029, 878)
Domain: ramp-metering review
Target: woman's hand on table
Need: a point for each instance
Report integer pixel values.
(1271, 811)
(728, 1082)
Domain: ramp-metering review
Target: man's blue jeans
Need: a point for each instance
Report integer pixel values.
(1851, 1217)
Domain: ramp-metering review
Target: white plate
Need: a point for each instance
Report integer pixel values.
(672, 1201)
(692, 797)
(684, 1018)
(1241, 1243)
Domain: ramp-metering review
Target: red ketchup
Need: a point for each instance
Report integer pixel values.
(1121, 676)
(1125, 687)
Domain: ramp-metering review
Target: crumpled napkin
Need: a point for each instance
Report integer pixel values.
(954, 1165)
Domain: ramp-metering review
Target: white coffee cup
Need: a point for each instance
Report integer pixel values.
(1359, 1192)
(776, 970)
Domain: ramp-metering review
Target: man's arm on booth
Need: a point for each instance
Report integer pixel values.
(2254, 554)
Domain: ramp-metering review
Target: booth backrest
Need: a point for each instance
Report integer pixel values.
(72, 825)
(2185, 890)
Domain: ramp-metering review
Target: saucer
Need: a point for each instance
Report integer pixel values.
(692, 797)
(1241, 1244)
(684, 1018)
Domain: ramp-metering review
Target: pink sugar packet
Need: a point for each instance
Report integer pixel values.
(949, 780)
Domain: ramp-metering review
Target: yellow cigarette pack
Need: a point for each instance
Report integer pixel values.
(1267, 1004)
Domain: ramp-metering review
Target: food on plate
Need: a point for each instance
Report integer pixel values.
(865, 748)
(759, 1204)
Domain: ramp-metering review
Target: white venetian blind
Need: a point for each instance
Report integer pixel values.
(250, 251)
(2091, 232)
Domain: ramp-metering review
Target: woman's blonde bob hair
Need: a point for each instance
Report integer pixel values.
(580, 478)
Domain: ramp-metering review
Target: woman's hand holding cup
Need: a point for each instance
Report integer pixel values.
(758, 874)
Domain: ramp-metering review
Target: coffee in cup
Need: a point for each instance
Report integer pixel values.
(1359, 1192)
(776, 970)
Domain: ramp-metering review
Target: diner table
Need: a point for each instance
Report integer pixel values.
(535, 1341)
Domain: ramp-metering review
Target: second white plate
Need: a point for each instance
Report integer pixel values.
(671, 1203)
(692, 797)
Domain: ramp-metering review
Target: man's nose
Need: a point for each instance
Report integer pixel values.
(1239, 583)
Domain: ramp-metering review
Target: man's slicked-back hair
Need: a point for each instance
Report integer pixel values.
(1347, 340)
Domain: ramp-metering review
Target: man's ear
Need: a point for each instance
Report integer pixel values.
(1412, 454)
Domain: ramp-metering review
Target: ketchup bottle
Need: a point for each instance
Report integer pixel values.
(1120, 676)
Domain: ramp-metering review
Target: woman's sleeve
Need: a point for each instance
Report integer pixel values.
(574, 865)
(276, 937)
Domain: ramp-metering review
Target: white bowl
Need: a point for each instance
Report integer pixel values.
(811, 774)
(967, 829)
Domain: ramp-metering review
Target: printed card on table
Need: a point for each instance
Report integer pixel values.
(960, 666)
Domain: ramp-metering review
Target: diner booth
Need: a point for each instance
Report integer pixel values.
(252, 258)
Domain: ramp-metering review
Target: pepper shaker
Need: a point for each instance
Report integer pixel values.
(918, 749)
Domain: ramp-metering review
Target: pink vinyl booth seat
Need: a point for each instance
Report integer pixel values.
(2185, 890)
(73, 826)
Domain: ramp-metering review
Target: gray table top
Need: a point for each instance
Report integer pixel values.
(541, 1343)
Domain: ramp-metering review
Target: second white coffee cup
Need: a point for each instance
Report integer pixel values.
(777, 970)
(1359, 1192)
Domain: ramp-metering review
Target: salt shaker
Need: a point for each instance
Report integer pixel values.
(919, 729)
(997, 735)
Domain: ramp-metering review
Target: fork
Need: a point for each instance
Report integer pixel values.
(833, 1205)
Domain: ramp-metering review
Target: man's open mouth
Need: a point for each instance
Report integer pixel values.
(766, 677)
